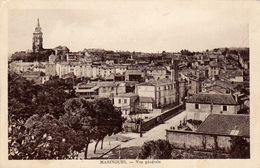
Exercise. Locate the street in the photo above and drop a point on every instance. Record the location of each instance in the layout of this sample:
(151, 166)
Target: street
(127, 140)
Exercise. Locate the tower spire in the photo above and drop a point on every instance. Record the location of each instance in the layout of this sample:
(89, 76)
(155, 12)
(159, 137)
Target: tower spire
(37, 38)
(38, 23)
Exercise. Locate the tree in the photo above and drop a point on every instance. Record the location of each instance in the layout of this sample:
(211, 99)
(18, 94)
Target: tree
(240, 148)
(43, 138)
(160, 149)
(80, 116)
(25, 98)
(51, 96)
(108, 120)
(187, 52)
(21, 93)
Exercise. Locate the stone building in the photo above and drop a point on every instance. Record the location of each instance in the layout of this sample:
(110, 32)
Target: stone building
(199, 106)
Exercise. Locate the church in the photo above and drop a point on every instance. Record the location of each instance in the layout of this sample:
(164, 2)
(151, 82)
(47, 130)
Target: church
(37, 38)
(37, 46)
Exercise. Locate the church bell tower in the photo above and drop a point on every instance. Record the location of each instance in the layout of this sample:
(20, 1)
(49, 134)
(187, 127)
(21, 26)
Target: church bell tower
(37, 38)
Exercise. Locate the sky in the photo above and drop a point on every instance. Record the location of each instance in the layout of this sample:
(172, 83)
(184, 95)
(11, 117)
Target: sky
(132, 26)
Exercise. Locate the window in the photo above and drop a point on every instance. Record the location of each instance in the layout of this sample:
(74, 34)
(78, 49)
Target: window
(125, 101)
(224, 108)
(196, 106)
(119, 101)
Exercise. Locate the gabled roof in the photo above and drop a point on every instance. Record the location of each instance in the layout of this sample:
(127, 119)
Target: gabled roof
(226, 125)
(221, 99)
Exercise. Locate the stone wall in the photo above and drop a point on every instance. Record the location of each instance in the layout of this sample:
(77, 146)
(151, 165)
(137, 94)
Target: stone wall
(198, 141)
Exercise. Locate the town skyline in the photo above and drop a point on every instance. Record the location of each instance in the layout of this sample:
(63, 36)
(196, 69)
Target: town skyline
(148, 29)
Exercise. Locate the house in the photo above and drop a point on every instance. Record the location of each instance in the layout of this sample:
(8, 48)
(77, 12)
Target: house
(35, 76)
(157, 72)
(158, 93)
(19, 66)
(216, 132)
(69, 78)
(51, 66)
(232, 75)
(60, 53)
(213, 68)
(62, 68)
(126, 102)
(134, 75)
(88, 90)
(103, 70)
(226, 125)
(106, 89)
(40, 67)
(120, 69)
(194, 85)
(199, 106)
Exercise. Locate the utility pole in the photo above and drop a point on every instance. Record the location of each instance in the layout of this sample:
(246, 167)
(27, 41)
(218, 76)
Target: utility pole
(140, 125)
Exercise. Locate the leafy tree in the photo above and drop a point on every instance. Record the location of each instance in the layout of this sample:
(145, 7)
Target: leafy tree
(43, 138)
(160, 149)
(187, 52)
(240, 148)
(80, 116)
(51, 96)
(108, 120)
(21, 94)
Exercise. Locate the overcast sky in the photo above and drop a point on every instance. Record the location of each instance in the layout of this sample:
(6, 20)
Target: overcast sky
(133, 26)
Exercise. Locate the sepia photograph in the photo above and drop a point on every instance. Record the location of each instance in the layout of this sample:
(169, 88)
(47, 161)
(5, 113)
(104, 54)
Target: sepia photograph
(129, 82)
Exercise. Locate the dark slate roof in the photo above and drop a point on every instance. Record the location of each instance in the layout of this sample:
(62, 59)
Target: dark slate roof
(226, 124)
(221, 99)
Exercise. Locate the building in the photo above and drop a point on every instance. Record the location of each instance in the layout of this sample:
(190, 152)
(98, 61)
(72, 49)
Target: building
(199, 106)
(126, 102)
(37, 38)
(120, 69)
(158, 93)
(87, 91)
(61, 52)
(33, 76)
(134, 75)
(226, 125)
(106, 89)
(62, 68)
(20, 67)
(213, 68)
(232, 75)
(50, 67)
(157, 72)
(194, 85)
(216, 132)
(103, 71)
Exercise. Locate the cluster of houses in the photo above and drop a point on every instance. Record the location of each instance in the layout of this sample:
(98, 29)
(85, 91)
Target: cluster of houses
(213, 85)
(218, 108)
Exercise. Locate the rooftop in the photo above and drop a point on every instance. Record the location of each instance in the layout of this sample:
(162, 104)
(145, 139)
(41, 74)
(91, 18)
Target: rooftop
(222, 99)
(126, 95)
(156, 82)
(226, 125)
